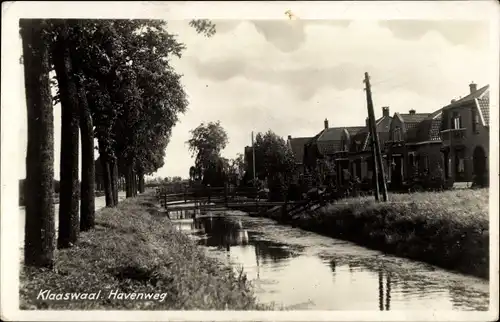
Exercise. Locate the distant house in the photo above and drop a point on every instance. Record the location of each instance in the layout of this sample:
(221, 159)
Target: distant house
(331, 144)
(465, 135)
(297, 147)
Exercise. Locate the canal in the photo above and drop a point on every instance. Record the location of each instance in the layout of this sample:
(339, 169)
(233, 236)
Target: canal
(301, 270)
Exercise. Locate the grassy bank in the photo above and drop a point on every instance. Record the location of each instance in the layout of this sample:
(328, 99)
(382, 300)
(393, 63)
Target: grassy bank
(133, 249)
(448, 229)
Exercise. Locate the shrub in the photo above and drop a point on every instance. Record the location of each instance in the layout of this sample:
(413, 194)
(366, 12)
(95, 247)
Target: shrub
(449, 229)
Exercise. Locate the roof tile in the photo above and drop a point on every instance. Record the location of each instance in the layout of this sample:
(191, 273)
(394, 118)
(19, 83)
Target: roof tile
(477, 94)
(484, 105)
(297, 145)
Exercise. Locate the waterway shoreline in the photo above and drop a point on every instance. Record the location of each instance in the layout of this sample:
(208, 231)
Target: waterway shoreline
(133, 249)
(448, 229)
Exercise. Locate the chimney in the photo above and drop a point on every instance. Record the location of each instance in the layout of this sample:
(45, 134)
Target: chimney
(326, 123)
(385, 111)
(412, 112)
(367, 122)
(289, 137)
(453, 101)
(473, 87)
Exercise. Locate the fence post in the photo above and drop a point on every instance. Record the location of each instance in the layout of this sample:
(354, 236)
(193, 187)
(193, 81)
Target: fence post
(185, 194)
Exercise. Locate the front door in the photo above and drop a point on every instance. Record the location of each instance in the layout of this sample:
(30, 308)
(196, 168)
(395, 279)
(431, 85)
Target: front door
(479, 166)
(397, 171)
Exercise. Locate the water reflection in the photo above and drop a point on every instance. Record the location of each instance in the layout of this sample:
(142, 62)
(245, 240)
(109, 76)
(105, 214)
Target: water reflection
(302, 270)
(224, 234)
(384, 295)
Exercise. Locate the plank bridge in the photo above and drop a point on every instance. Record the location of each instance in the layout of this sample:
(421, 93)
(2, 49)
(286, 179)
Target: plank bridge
(200, 201)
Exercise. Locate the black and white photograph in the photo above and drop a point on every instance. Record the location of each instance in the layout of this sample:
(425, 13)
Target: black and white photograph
(271, 161)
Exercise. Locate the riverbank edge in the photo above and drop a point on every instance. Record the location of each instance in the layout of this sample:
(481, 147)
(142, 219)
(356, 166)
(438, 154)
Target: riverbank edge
(414, 229)
(135, 249)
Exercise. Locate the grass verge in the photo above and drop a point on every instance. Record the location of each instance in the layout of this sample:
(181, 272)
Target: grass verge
(448, 229)
(135, 250)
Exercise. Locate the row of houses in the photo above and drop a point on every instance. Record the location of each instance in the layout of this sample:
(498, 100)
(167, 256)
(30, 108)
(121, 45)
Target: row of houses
(454, 137)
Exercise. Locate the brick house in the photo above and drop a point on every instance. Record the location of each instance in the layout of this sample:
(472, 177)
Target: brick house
(332, 146)
(414, 145)
(297, 147)
(360, 153)
(465, 135)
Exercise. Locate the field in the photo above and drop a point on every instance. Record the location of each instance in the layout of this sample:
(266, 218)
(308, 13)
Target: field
(448, 229)
(133, 249)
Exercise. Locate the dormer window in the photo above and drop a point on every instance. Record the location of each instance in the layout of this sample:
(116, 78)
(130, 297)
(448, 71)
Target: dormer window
(397, 135)
(343, 144)
(456, 121)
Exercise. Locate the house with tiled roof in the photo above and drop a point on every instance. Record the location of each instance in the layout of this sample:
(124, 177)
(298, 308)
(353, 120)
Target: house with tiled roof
(414, 145)
(465, 131)
(331, 144)
(297, 147)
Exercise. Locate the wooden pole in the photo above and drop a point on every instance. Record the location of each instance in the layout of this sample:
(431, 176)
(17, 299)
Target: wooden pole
(373, 153)
(381, 176)
(253, 159)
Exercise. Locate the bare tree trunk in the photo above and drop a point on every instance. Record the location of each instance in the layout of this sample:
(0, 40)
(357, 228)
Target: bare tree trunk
(87, 189)
(106, 175)
(114, 181)
(129, 182)
(141, 182)
(39, 240)
(68, 205)
(135, 184)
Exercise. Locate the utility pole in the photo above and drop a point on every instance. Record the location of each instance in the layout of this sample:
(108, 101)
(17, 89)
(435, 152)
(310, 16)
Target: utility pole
(253, 160)
(375, 175)
(375, 141)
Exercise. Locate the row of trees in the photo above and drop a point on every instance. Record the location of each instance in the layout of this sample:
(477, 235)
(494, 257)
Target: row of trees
(115, 84)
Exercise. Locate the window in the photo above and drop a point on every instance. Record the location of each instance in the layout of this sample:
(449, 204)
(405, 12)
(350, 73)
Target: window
(456, 121)
(475, 121)
(425, 162)
(460, 162)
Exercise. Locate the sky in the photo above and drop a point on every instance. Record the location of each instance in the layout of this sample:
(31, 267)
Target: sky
(289, 75)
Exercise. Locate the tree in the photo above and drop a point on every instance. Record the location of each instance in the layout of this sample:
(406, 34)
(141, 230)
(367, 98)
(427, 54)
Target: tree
(206, 143)
(235, 169)
(239, 165)
(79, 60)
(274, 160)
(39, 224)
(70, 114)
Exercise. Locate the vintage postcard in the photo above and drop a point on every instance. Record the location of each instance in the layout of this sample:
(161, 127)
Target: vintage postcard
(253, 161)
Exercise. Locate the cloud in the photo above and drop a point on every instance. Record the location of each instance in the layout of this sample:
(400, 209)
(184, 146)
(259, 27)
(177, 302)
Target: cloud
(301, 82)
(289, 35)
(337, 59)
(473, 34)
